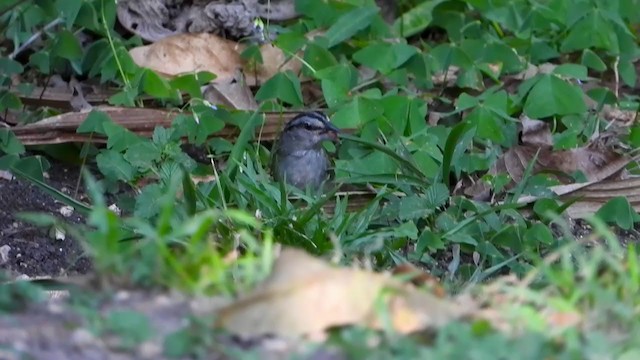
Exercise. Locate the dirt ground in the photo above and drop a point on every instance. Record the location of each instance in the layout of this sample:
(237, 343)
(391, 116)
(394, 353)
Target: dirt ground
(31, 250)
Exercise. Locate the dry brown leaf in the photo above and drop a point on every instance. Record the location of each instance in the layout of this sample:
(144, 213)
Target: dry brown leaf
(234, 94)
(190, 53)
(597, 161)
(306, 296)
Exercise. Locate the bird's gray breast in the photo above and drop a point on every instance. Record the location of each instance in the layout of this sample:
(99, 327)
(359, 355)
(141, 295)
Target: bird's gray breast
(306, 168)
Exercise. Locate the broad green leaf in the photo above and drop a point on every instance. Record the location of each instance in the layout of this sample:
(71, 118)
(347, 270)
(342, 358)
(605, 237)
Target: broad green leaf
(591, 31)
(553, 96)
(634, 136)
(282, 86)
(9, 143)
(628, 72)
(384, 57)
(572, 70)
(407, 229)
(9, 100)
(413, 207)
(68, 10)
(452, 143)
(10, 67)
(446, 55)
(119, 138)
(149, 201)
(113, 165)
(336, 81)
(350, 23)
(618, 211)
(436, 195)
(41, 60)
(428, 242)
(142, 154)
(32, 166)
(290, 42)
(488, 124)
(593, 61)
(318, 58)
(67, 46)
(94, 122)
(156, 86)
(602, 95)
(188, 83)
(466, 101)
(538, 234)
(416, 19)
(357, 112)
(88, 18)
(208, 122)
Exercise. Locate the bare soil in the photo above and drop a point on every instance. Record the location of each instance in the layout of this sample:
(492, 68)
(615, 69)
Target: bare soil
(31, 250)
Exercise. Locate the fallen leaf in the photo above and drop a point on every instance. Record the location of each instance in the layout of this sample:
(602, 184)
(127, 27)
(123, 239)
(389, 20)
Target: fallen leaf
(597, 160)
(305, 296)
(190, 53)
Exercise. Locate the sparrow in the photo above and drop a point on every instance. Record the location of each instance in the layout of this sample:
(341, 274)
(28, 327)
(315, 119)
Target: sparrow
(298, 157)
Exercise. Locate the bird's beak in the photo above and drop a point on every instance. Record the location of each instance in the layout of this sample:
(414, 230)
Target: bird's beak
(332, 132)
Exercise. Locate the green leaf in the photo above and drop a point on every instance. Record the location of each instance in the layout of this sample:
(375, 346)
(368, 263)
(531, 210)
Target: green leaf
(10, 67)
(429, 241)
(142, 155)
(67, 46)
(9, 100)
(384, 57)
(618, 211)
(41, 60)
(572, 70)
(318, 58)
(628, 72)
(290, 42)
(488, 124)
(407, 229)
(436, 195)
(188, 84)
(156, 86)
(416, 19)
(336, 81)
(553, 96)
(114, 166)
(9, 143)
(450, 147)
(413, 207)
(205, 121)
(94, 122)
(357, 112)
(602, 95)
(69, 11)
(538, 234)
(593, 61)
(149, 201)
(119, 138)
(33, 166)
(591, 31)
(634, 136)
(350, 23)
(282, 86)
